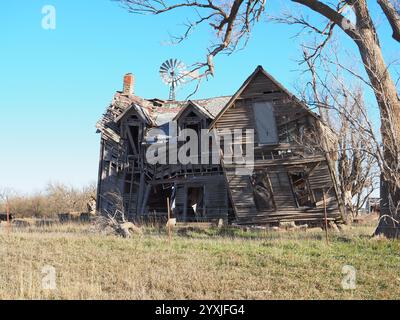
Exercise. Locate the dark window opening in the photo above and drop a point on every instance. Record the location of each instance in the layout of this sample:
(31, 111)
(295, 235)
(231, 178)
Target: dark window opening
(197, 128)
(157, 201)
(127, 187)
(301, 190)
(262, 193)
(134, 137)
(318, 195)
(194, 126)
(106, 168)
(288, 132)
(192, 114)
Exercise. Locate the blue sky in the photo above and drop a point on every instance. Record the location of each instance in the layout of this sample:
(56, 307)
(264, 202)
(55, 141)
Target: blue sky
(55, 84)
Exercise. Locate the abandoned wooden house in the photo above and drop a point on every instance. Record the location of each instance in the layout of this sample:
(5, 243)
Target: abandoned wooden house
(291, 177)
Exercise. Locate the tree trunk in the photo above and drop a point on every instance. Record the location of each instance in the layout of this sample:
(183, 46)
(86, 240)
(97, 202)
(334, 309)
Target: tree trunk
(389, 221)
(389, 106)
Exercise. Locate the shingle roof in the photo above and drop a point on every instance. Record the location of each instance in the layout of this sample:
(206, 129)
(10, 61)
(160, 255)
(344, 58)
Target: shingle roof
(213, 105)
(159, 112)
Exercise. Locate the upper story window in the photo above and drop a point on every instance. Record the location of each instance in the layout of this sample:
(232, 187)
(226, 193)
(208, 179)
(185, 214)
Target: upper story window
(265, 123)
(192, 121)
(132, 132)
(288, 132)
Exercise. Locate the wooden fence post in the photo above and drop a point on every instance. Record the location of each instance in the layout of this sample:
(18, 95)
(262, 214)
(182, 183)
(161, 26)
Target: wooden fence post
(8, 217)
(169, 218)
(326, 217)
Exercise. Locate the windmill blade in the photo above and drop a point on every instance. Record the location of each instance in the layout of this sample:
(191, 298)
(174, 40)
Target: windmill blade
(168, 64)
(173, 73)
(166, 80)
(164, 67)
(165, 64)
(163, 71)
(165, 76)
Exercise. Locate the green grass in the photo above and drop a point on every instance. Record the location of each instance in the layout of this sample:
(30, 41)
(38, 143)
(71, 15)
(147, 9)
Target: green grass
(197, 264)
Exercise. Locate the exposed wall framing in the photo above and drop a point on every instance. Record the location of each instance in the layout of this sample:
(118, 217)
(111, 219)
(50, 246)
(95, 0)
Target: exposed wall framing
(292, 159)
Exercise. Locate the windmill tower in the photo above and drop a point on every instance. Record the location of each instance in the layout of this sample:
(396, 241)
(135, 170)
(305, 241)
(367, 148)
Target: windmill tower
(173, 73)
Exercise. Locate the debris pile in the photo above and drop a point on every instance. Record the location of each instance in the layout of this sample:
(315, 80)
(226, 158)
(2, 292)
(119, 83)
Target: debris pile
(115, 225)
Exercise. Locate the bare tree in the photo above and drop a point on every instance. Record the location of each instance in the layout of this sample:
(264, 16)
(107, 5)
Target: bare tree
(232, 22)
(356, 160)
(57, 198)
(391, 11)
(6, 195)
(342, 108)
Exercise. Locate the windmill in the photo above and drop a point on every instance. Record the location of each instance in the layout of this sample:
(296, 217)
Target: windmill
(173, 73)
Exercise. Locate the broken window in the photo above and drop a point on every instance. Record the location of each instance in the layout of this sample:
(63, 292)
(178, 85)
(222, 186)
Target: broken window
(288, 132)
(319, 194)
(113, 169)
(132, 133)
(106, 169)
(262, 193)
(301, 190)
(193, 122)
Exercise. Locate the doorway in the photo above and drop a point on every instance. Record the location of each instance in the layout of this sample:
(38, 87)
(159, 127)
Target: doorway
(194, 203)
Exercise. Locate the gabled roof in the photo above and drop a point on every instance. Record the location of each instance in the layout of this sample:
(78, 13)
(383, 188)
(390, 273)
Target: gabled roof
(139, 110)
(245, 84)
(158, 112)
(191, 104)
(213, 105)
(155, 112)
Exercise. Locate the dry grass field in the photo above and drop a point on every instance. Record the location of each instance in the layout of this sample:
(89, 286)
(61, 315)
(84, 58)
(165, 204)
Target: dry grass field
(197, 264)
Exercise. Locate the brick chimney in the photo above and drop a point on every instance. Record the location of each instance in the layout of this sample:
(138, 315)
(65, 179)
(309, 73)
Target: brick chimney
(129, 82)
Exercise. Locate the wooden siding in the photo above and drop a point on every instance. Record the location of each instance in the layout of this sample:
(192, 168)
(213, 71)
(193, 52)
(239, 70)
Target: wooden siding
(305, 153)
(298, 149)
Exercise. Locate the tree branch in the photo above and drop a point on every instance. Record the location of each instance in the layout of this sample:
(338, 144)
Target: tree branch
(335, 16)
(393, 17)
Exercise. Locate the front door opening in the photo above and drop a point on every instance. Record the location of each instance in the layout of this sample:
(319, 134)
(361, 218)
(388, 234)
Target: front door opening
(195, 203)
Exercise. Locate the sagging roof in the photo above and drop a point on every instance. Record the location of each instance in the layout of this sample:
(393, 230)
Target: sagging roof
(257, 71)
(158, 113)
(170, 110)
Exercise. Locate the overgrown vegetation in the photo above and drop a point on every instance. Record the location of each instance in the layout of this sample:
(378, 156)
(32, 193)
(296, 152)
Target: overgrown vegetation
(196, 264)
(56, 198)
